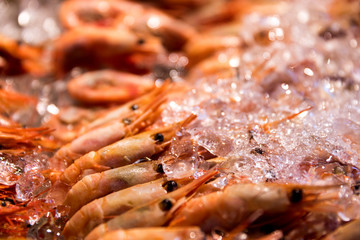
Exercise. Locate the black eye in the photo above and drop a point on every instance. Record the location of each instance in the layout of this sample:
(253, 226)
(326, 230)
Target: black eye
(141, 41)
(219, 232)
(159, 137)
(126, 121)
(296, 195)
(257, 150)
(134, 107)
(3, 203)
(170, 186)
(166, 205)
(356, 188)
(159, 168)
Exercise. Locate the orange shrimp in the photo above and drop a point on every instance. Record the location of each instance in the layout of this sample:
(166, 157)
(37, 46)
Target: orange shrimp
(93, 48)
(108, 86)
(132, 15)
(122, 152)
(111, 132)
(99, 210)
(159, 211)
(226, 209)
(87, 189)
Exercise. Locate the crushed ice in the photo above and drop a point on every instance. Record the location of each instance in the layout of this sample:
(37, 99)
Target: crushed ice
(303, 102)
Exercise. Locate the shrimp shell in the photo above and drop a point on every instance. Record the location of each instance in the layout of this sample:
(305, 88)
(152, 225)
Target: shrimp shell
(160, 233)
(100, 184)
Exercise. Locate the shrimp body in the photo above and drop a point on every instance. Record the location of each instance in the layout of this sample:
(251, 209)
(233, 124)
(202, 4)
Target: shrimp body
(91, 47)
(139, 105)
(100, 184)
(96, 212)
(108, 86)
(110, 132)
(159, 211)
(131, 15)
(226, 209)
(120, 153)
(159, 233)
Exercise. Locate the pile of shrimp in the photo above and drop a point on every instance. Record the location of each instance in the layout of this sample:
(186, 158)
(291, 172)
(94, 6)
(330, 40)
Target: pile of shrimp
(184, 119)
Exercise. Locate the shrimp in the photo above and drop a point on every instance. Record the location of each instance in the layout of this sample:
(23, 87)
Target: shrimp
(159, 211)
(93, 48)
(350, 231)
(121, 153)
(11, 101)
(134, 16)
(226, 209)
(100, 184)
(18, 58)
(160, 233)
(108, 86)
(70, 120)
(128, 109)
(13, 137)
(96, 212)
(110, 132)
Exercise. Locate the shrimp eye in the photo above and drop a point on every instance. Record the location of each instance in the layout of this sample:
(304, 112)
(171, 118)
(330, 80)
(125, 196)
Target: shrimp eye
(3, 203)
(126, 121)
(257, 150)
(141, 41)
(159, 168)
(134, 107)
(219, 232)
(356, 188)
(170, 186)
(166, 205)
(296, 195)
(159, 137)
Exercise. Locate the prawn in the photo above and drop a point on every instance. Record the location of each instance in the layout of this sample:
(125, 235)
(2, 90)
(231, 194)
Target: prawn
(110, 132)
(160, 233)
(14, 137)
(159, 211)
(134, 16)
(93, 48)
(226, 209)
(137, 106)
(108, 86)
(17, 58)
(122, 152)
(100, 184)
(96, 212)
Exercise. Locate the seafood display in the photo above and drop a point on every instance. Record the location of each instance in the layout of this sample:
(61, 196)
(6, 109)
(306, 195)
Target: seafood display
(180, 119)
